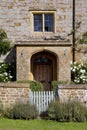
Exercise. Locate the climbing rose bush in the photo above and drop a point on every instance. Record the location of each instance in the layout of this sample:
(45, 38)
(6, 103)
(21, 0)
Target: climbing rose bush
(5, 73)
(79, 73)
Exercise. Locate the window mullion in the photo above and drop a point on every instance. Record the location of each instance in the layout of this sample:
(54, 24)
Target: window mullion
(43, 21)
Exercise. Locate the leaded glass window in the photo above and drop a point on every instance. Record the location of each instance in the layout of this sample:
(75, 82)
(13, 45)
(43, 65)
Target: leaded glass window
(48, 22)
(44, 22)
(38, 22)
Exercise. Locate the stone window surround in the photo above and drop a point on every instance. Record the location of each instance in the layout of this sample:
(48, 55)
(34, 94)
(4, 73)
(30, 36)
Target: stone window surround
(32, 23)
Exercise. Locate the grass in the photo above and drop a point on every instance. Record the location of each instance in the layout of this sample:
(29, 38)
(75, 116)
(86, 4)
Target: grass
(9, 124)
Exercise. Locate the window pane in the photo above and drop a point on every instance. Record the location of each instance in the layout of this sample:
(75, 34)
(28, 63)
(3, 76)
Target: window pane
(48, 23)
(38, 22)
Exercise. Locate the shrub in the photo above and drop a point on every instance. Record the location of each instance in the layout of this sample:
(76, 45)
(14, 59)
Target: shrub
(5, 73)
(22, 111)
(36, 86)
(79, 73)
(78, 112)
(5, 45)
(57, 111)
(54, 85)
(70, 111)
(1, 109)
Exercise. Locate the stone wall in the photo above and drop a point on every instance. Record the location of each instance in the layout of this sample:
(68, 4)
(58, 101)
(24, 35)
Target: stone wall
(16, 20)
(73, 92)
(62, 53)
(10, 93)
(81, 53)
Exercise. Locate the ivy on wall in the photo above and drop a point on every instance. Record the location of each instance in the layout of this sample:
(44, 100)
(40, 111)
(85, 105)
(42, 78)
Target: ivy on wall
(5, 43)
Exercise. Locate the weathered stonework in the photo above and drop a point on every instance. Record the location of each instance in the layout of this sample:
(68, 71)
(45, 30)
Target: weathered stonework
(24, 59)
(17, 20)
(73, 93)
(81, 53)
(11, 93)
(15, 16)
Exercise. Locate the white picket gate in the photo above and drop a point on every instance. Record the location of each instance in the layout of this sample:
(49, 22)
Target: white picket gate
(41, 99)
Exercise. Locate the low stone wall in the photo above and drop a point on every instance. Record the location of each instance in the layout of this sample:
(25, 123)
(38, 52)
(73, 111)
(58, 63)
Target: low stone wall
(73, 92)
(11, 93)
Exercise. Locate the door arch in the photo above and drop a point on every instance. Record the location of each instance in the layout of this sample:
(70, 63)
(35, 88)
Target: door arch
(44, 68)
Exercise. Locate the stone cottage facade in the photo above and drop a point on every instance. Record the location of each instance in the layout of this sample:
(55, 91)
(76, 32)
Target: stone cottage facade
(40, 31)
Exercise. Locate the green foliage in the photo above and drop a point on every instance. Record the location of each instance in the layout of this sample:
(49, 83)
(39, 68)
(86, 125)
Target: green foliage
(5, 45)
(22, 111)
(54, 85)
(5, 73)
(78, 112)
(82, 39)
(79, 73)
(1, 109)
(57, 111)
(34, 85)
(69, 111)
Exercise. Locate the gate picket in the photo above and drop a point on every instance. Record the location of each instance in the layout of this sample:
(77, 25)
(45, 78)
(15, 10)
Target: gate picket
(41, 99)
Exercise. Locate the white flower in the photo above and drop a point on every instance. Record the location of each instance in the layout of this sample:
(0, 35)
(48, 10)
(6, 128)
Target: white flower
(73, 70)
(81, 64)
(6, 77)
(2, 65)
(75, 67)
(82, 77)
(10, 76)
(82, 71)
(4, 80)
(5, 73)
(76, 80)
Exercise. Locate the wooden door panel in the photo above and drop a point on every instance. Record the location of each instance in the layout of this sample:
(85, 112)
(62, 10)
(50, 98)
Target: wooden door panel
(43, 73)
(44, 68)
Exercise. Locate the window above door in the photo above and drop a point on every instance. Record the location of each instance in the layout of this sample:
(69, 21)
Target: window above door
(43, 21)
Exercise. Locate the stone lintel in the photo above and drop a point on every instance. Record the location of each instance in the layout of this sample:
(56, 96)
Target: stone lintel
(43, 43)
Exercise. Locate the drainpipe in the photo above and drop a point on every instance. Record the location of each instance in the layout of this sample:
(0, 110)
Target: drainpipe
(73, 35)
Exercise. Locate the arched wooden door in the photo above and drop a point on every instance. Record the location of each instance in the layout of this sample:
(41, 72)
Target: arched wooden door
(43, 66)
